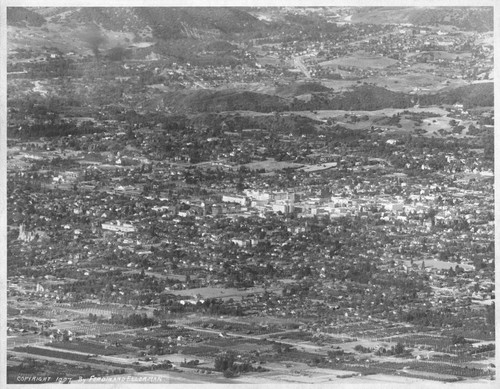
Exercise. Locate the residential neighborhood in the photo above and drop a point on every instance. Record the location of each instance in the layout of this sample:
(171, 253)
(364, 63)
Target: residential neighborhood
(257, 196)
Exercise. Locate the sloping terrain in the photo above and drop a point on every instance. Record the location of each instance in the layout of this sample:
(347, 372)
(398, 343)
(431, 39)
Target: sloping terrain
(67, 27)
(474, 95)
(23, 17)
(364, 98)
(220, 46)
(297, 89)
(166, 22)
(474, 19)
(172, 23)
(232, 100)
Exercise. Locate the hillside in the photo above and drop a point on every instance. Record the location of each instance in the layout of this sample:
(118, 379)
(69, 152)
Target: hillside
(473, 19)
(364, 98)
(109, 18)
(164, 22)
(297, 89)
(221, 46)
(475, 95)
(23, 17)
(232, 100)
(236, 122)
(172, 23)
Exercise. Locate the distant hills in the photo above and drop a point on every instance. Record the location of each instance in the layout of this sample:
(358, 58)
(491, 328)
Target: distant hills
(220, 46)
(215, 28)
(297, 89)
(227, 100)
(466, 18)
(181, 33)
(474, 95)
(364, 97)
(164, 22)
(23, 17)
(187, 22)
(173, 22)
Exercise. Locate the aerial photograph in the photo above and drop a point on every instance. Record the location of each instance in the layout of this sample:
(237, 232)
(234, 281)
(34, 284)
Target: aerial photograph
(250, 195)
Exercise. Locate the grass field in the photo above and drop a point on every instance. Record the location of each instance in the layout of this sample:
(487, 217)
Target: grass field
(339, 85)
(433, 125)
(325, 114)
(361, 61)
(436, 264)
(271, 165)
(58, 35)
(268, 60)
(223, 293)
(407, 82)
(443, 55)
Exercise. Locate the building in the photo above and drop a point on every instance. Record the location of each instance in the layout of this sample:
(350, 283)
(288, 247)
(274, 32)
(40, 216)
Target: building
(242, 200)
(283, 208)
(284, 196)
(118, 227)
(394, 207)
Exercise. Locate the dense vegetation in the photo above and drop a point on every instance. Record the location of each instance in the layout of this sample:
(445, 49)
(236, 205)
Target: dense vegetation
(19, 16)
(363, 97)
(475, 95)
(172, 23)
(465, 18)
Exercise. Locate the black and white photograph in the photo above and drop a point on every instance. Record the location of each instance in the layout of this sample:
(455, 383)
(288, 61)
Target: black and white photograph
(249, 194)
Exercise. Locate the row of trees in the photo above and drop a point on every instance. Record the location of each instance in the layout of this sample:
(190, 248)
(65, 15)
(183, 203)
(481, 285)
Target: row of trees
(229, 364)
(133, 320)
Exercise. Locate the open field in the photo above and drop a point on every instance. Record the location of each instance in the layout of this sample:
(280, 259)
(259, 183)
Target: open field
(319, 167)
(339, 85)
(268, 60)
(325, 114)
(258, 87)
(271, 165)
(294, 368)
(438, 54)
(438, 264)
(64, 38)
(379, 379)
(222, 293)
(408, 81)
(433, 125)
(361, 61)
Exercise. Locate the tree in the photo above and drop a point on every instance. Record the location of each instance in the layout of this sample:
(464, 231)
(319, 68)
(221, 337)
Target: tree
(456, 339)
(229, 373)
(224, 362)
(94, 38)
(399, 349)
(117, 53)
(240, 186)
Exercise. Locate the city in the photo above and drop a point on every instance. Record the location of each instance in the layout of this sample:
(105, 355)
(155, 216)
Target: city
(250, 195)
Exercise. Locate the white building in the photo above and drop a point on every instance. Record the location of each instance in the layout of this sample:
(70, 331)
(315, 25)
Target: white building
(242, 200)
(118, 227)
